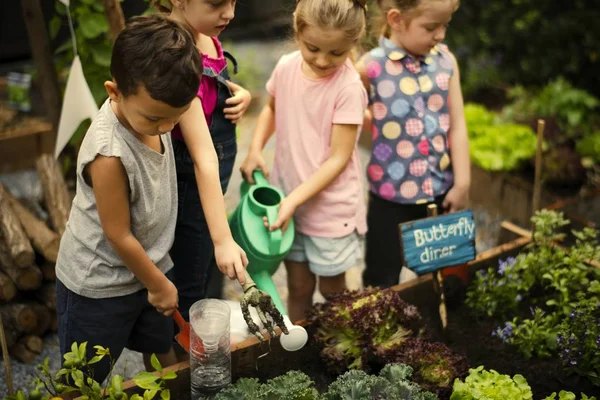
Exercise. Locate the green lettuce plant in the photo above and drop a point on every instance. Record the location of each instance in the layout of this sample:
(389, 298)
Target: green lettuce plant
(482, 384)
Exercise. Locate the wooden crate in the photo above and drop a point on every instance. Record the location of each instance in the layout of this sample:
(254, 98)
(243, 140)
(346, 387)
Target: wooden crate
(509, 194)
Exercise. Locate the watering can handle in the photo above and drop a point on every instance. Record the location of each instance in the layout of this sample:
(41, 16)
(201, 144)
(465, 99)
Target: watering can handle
(259, 178)
(275, 236)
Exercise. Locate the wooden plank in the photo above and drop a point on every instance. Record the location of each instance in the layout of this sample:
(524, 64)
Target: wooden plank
(509, 226)
(41, 49)
(25, 126)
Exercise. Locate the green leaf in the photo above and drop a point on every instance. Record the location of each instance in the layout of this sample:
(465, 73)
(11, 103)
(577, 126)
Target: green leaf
(169, 376)
(150, 394)
(166, 394)
(95, 359)
(116, 383)
(155, 363)
(146, 380)
(64, 47)
(102, 55)
(135, 397)
(60, 8)
(54, 26)
(93, 25)
(98, 6)
(82, 350)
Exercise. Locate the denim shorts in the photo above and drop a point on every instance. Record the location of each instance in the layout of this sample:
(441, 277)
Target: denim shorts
(327, 256)
(116, 323)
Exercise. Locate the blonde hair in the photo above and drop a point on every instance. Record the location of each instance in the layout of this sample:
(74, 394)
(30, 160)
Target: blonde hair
(346, 15)
(407, 7)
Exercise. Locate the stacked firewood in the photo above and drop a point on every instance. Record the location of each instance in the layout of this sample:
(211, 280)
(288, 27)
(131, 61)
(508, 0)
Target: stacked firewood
(28, 250)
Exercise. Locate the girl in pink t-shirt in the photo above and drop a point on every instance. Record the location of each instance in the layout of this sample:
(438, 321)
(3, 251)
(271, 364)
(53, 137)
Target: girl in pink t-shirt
(316, 108)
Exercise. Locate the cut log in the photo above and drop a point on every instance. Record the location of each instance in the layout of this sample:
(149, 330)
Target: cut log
(8, 290)
(43, 239)
(56, 194)
(17, 241)
(25, 279)
(47, 295)
(48, 271)
(44, 318)
(27, 349)
(11, 335)
(5, 257)
(19, 317)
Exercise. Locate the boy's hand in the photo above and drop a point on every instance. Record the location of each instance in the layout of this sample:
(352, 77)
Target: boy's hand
(456, 199)
(231, 260)
(287, 208)
(164, 298)
(239, 102)
(253, 161)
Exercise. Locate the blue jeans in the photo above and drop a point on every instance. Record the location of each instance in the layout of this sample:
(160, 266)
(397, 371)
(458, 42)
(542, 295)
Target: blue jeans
(115, 322)
(193, 250)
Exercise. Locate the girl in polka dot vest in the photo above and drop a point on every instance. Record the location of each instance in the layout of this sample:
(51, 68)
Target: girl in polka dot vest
(420, 149)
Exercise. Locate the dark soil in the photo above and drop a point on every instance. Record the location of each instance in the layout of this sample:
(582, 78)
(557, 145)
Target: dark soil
(473, 338)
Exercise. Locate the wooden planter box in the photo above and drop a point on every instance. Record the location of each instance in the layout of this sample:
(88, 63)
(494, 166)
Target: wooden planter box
(251, 356)
(508, 193)
(583, 210)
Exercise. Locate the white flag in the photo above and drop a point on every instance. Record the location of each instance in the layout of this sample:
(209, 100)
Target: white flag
(78, 105)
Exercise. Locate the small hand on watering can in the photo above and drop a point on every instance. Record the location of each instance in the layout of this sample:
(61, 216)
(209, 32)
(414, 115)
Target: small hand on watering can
(264, 305)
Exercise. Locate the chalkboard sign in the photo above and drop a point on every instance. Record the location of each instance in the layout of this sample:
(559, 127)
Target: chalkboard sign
(433, 243)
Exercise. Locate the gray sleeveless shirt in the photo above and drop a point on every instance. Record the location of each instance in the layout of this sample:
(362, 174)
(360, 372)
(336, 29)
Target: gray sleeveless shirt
(86, 264)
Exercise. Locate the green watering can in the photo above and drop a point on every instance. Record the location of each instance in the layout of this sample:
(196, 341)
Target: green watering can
(265, 249)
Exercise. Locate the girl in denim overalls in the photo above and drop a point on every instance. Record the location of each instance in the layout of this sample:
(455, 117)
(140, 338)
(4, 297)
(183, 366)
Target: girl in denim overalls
(420, 151)
(197, 250)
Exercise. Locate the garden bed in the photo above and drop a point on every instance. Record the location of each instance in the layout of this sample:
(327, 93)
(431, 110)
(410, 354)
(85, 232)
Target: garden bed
(472, 337)
(253, 359)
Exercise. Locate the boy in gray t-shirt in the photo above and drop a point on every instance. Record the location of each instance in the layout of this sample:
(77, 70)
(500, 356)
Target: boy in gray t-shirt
(112, 289)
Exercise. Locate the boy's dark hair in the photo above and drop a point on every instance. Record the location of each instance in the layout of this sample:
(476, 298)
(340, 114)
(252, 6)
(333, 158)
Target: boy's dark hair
(159, 54)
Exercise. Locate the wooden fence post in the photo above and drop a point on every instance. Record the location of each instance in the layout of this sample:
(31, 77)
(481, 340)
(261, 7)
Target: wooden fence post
(42, 56)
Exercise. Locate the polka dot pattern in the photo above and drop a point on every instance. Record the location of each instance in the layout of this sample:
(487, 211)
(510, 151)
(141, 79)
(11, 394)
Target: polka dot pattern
(373, 69)
(410, 160)
(386, 89)
(375, 172)
(379, 111)
(408, 86)
(391, 130)
(409, 189)
(393, 67)
(405, 149)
